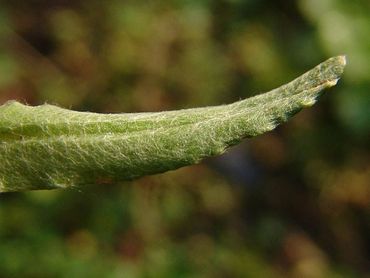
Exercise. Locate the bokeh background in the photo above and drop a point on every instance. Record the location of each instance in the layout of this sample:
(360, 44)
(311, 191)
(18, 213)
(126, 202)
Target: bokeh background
(292, 203)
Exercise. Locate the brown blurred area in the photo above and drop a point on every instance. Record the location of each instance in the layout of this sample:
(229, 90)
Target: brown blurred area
(292, 203)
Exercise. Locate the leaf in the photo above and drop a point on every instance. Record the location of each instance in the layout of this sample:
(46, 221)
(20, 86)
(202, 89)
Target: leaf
(47, 147)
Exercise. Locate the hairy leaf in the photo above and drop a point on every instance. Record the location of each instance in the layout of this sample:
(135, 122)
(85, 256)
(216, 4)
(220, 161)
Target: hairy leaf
(47, 147)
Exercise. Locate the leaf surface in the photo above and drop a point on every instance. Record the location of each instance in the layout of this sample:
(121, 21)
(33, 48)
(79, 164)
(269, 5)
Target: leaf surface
(47, 147)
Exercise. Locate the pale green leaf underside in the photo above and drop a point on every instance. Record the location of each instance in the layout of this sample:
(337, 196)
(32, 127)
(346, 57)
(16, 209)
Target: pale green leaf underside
(46, 147)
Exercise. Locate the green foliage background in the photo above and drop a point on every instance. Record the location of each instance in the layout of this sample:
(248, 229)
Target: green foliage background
(294, 202)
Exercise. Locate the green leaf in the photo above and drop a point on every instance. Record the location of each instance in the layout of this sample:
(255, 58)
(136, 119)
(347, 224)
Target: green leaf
(47, 147)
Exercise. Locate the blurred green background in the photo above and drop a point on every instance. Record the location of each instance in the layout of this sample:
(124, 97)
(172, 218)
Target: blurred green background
(292, 203)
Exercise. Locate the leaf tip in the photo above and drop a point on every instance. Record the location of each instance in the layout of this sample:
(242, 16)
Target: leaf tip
(342, 59)
(338, 64)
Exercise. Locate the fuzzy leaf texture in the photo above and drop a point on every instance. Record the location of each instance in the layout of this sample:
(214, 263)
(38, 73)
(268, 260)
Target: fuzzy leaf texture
(48, 147)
